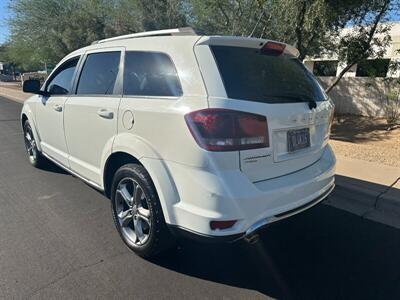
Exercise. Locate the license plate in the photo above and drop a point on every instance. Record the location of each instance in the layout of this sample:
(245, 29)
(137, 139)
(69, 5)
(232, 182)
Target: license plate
(298, 139)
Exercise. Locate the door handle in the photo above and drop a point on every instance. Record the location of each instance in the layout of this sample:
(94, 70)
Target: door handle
(106, 114)
(57, 107)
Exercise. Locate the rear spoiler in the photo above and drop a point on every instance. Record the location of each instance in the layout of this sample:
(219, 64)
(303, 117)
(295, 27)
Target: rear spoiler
(237, 41)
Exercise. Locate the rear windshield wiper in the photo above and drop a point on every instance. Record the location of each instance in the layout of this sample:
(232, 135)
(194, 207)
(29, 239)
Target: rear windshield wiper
(293, 98)
(296, 98)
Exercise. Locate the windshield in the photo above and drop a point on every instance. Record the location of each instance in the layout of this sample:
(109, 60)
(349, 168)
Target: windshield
(251, 75)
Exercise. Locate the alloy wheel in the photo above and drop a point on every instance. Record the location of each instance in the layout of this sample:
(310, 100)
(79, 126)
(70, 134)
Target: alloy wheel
(132, 209)
(30, 144)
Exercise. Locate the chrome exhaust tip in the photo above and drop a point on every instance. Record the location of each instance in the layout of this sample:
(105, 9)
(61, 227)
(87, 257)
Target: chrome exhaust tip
(252, 238)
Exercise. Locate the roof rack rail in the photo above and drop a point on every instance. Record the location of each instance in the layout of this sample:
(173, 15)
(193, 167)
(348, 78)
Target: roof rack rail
(164, 32)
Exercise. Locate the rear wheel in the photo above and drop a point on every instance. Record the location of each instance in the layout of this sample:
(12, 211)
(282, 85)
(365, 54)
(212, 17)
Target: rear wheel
(137, 211)
(35, 157)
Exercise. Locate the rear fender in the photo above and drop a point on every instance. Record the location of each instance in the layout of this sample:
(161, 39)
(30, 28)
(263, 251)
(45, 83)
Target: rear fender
(150, 159)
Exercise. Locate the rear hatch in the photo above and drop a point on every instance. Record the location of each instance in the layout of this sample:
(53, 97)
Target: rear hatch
(275, 84)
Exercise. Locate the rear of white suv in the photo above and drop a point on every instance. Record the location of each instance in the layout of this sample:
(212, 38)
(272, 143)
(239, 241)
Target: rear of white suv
(265, 135)
(211, 137)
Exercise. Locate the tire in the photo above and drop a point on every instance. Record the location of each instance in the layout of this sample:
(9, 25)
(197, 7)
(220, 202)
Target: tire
(137, 212)
(35, 158)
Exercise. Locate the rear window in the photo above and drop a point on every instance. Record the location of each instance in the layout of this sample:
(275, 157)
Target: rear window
(251, 75)
(150, 74)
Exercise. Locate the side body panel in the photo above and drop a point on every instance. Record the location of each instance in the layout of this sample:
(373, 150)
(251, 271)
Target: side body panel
(29, 110)
(90, 123)
(88, 135)
(50, 123)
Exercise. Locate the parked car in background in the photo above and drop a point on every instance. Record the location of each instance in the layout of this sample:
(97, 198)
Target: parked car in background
(211, 137)
(40, 75)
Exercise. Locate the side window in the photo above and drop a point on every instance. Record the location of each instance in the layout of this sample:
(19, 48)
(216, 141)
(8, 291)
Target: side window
(99, 74)
(150, 74)
(61, 83)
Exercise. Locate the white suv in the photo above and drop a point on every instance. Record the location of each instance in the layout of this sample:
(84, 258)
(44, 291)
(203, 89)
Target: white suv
(212, 137)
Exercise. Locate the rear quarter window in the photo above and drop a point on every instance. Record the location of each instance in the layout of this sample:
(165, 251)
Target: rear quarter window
(150, 74)
(249, 74)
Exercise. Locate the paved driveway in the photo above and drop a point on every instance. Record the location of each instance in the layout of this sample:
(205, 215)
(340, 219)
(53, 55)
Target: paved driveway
(57, 240)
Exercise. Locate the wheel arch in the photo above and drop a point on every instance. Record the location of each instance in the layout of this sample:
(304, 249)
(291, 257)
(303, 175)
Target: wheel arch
(24, 118)
(27, 115)
(159, 174)
(113, 163)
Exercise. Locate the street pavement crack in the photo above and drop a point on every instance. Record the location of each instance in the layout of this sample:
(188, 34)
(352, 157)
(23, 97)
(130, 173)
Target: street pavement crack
(74, 270)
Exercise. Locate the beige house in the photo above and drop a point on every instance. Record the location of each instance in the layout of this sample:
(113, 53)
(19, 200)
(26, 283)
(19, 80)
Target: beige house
(363, 88)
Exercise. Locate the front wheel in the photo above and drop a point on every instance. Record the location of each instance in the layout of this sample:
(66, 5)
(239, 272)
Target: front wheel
(137, 211)
(35, 157)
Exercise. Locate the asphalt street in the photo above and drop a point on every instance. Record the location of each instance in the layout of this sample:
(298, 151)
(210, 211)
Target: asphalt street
(57, 240)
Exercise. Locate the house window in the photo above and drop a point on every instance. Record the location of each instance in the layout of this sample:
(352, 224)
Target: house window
(325, 68)
(373, 68)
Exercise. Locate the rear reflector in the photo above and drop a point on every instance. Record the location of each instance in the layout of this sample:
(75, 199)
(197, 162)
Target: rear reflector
(214, 225)
(273, 48)
(217, 129)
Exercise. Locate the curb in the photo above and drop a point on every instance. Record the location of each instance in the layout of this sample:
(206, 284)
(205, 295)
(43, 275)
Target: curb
(12, 98)
(357, 194)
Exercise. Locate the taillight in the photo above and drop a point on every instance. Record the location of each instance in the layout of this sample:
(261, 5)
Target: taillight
(273, 48)
(228, 130)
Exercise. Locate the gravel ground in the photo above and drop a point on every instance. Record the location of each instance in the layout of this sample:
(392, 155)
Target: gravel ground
(366, 139)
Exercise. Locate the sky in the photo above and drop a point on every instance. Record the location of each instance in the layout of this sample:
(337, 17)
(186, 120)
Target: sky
(5, 14)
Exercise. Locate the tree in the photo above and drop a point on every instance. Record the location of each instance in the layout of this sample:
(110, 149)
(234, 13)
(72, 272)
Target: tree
(44, 31)
(368, 38)
(303, 23)
(161, 14)
(229, 17)
(310, 25)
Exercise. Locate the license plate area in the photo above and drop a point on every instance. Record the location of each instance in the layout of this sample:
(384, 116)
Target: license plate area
(298, 139)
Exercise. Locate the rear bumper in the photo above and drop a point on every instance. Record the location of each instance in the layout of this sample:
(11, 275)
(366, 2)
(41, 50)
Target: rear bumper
(180, 232)
(205, 197)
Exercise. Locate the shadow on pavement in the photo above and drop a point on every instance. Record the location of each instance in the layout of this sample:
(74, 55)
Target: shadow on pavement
(357, 129)
(324, 253)
(51, 167)
(367, 188)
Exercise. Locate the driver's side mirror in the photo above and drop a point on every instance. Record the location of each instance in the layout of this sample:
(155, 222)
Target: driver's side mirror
(31, 86)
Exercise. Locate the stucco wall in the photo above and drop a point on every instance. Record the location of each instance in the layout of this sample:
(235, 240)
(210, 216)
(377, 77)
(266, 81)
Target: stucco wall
(359, 95)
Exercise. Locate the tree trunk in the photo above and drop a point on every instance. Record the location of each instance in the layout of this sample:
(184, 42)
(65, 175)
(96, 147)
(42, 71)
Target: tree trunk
(299, 29)
(371, 34)
(337, 79)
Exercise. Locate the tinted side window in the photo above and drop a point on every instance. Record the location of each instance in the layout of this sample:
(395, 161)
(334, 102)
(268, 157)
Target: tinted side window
(150, 74)
(61, 83)
(99, 74)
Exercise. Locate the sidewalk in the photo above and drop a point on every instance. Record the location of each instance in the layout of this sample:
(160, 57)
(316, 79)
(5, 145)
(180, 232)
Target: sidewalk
(358, 185)
(367, 171)
(13, 92)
